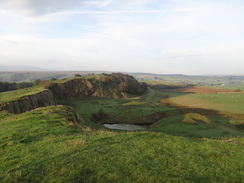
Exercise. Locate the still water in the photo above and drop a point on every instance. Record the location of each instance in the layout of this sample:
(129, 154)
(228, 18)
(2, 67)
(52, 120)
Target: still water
(125, 127)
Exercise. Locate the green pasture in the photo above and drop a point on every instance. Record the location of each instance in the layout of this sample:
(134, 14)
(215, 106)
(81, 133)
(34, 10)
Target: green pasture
(217, 127)
(223, 102)
(232, 102)
(40, 146)
(232, 86)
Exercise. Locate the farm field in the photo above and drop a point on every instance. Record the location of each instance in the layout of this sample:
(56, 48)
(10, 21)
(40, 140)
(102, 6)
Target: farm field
(232, 86)
(223, 102)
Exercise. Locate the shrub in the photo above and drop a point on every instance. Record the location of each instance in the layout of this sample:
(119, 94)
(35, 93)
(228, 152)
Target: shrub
(77, 76)
(52, 79)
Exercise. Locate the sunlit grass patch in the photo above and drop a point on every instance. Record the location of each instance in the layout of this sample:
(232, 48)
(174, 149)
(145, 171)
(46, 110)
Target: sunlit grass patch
(222, 102)
(194, 118)
(236, 122)
(134, 103)
(17, 94)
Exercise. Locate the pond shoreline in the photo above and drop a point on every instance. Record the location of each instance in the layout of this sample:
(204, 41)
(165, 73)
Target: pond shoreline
(127, 127)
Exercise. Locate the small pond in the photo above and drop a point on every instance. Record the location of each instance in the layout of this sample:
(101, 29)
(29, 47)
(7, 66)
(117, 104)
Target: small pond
(125, 127)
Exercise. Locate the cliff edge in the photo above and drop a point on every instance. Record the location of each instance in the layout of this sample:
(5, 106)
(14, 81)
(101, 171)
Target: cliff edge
(29, 102)
(113, 85)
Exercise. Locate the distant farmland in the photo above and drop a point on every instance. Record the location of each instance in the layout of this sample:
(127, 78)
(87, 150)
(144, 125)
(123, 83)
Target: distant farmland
(229, 102)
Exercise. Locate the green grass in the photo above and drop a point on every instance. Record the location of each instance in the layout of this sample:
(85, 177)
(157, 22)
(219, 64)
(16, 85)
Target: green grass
(232, 102)
(175, 125)
(17, 94)
(96, 76)
(39, 146)
(233, 86)
(64, 80)
(193, 118)
(223, 102)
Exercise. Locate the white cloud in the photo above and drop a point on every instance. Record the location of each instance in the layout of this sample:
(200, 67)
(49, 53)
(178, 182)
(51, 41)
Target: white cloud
(37, 7)
(166, 37)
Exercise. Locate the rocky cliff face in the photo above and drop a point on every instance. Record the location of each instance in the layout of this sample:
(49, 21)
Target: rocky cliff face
(73, 88)
(5, 86)
(106, 85)
(26, 103)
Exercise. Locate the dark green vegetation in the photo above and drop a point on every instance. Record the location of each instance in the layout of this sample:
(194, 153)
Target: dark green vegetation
(182, 144)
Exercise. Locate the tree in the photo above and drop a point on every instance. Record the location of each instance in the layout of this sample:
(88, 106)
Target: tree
(53, 79)
(78, 76)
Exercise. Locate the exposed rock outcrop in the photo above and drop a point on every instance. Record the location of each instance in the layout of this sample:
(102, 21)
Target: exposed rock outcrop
(71, 117)
(106, 85)
(73, 88)
(29, 102)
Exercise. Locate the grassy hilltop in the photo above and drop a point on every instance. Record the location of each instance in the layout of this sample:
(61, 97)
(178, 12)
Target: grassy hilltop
(183, 142)
(17, 94)
(41, 146)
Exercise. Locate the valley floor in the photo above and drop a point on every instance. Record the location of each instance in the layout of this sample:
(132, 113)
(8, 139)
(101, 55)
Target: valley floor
(153, 108)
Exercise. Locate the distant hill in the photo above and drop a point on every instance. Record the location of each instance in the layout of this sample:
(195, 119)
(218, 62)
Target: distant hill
(228, 81)
(20, 76)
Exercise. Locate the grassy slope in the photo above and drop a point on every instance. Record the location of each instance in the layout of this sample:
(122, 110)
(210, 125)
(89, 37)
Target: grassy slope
(39, 146)
(17, 94)
(219, 127)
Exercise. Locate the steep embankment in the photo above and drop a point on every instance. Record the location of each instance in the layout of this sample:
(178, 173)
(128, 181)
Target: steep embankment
(106, 85)
(29, 102)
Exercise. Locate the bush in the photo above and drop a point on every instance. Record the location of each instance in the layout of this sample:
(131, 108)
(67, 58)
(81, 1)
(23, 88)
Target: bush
(77, 76)
(52, 79)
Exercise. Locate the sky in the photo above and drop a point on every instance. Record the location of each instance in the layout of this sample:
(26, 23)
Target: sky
(191, 37)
